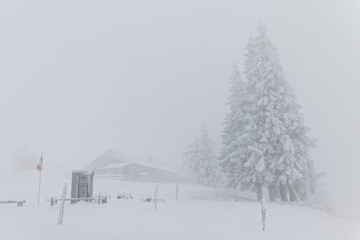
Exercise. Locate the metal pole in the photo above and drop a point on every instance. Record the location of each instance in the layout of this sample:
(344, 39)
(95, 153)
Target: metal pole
(263, 213)
(41, 162)
(177, 191)
(155, 195)
(61, 215)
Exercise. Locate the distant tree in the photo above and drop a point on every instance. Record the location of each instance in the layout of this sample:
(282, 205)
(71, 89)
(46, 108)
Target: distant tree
(231, 155)
(200, 158)
(22, 161)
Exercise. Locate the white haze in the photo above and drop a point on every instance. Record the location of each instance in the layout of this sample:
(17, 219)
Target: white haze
(80, 77)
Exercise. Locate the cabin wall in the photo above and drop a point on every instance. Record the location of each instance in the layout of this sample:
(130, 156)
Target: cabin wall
(137, 172)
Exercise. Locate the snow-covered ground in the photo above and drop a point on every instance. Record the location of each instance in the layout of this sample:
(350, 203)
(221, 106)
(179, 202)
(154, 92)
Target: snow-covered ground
(200, 213)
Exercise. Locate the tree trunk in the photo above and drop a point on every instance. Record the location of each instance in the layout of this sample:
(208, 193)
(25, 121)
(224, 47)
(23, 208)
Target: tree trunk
(271, 190)
(276, 192)
(301, 193)
(259, 193)
(292, 193)
(283, 192)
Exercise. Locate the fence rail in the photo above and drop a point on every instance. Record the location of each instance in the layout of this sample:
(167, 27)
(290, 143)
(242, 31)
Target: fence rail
(19, 203)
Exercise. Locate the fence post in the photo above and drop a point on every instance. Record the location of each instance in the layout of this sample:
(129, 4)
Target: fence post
(263, 213)
(52, 201)
(155, 195)
(62, 205)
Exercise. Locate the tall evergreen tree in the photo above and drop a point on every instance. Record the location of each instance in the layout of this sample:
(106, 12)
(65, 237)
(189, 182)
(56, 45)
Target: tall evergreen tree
(279, 146)
(200, 158)
(272, 146)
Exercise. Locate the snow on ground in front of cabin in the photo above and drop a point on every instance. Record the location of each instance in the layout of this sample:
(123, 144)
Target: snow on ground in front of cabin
(200, 213)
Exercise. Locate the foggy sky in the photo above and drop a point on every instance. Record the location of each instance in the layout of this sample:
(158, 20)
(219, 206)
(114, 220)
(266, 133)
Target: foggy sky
(80, 77)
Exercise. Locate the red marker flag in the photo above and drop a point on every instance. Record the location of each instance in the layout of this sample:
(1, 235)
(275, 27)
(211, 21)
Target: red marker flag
(39, 166)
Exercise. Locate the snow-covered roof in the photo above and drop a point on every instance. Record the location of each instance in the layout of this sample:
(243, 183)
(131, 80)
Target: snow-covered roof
(83, 172)
(112, 159)
(116, 165)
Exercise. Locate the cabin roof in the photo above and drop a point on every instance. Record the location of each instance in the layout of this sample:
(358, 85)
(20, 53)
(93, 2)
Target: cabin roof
(111, 159)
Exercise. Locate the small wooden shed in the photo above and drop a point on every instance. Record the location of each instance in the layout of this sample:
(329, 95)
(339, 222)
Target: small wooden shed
(82, 185)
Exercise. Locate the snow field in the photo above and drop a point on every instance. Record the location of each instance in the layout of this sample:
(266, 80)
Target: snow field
(200, 213)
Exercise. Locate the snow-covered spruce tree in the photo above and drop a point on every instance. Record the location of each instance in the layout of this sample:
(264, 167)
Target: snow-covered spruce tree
(231, 157)
(264, 140)
(202, 161)
(278, 149)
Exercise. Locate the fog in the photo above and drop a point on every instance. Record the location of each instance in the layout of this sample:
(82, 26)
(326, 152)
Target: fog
(139, 77)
